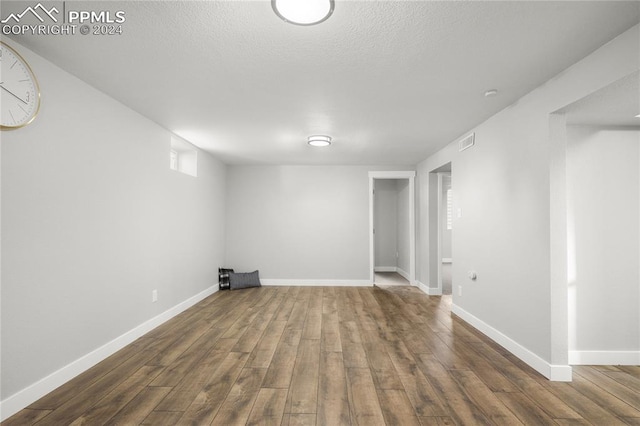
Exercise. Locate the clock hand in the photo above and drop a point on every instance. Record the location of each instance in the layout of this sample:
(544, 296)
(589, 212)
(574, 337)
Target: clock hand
(14, 95)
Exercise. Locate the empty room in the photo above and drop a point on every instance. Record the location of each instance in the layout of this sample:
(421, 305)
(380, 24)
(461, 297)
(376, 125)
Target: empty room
(320, 212)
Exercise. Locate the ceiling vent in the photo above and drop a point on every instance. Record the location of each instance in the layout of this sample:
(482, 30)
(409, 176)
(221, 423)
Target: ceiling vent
(467, 142)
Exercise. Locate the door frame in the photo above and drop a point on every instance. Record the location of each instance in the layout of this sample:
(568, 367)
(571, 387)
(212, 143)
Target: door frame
(406, 174)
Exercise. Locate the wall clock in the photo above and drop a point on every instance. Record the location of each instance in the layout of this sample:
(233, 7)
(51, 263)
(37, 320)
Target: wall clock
(19, 91)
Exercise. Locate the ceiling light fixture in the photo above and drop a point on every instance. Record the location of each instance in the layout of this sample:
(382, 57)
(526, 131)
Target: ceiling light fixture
(490, 93)
(319, 140)
(638, 116)
(303, 12)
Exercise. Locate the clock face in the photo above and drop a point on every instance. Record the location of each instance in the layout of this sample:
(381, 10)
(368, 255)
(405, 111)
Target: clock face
(19, 92)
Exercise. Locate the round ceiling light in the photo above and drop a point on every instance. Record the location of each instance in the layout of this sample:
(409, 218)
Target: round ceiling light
(490, 93)
(303, 12)
(319, 140)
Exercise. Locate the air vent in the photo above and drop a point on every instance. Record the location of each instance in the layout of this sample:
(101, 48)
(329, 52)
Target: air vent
(467, 142)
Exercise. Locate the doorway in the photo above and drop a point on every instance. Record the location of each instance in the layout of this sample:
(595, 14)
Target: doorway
(441, 208)
(391, 232)
(401, 255)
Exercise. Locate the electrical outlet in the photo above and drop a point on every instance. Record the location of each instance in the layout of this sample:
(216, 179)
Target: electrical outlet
(459, 290)
(154, 295)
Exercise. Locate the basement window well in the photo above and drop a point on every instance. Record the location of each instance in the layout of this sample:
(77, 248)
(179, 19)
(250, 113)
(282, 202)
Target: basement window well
(183, 157)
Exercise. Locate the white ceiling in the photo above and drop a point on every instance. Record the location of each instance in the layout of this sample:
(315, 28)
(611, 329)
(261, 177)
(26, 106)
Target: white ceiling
(391, 82)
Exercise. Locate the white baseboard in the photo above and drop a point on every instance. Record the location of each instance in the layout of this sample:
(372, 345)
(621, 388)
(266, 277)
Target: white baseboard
(556, 373)
(316, 283)
(428, 290)
(385, 269)
(404, 274)
(604, 357)
(25, 397)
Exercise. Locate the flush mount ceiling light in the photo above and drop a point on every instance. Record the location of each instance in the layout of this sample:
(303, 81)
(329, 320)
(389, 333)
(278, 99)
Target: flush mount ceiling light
(490, 93)
(303, 12)
(638, 116)
(319, 140)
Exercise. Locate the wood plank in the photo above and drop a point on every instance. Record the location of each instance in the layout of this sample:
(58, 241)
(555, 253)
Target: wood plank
(252, 335)
(353, 352)
(236, 407)
(176, 371)
(283, 361)
(484, 399)
(265, 349)
(301, 419)
(525, 409)
(333, 399)
(596, 393)
(396, 408)
(461, 409)
(208, 401)
(140, 407)
(588, 409)
(119, 397)
(439, 421)
(365, 407)
(268, 408)
(183, 394)
(313, 323)
(384, 373)
(303, 394)
(610, 385)
(28, 416)
(162, 418)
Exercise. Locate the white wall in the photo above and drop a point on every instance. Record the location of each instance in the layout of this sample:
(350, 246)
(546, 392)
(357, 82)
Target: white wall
(604, 238)
(92, 221)
(503, 188)
(386, 223)
(302, 223)
(403, 227)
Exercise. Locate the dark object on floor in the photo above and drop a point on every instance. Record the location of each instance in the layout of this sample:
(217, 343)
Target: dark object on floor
(223, 278)
(244, 280)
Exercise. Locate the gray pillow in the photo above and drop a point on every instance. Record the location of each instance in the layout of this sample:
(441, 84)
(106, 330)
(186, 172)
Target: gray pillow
(244, 280)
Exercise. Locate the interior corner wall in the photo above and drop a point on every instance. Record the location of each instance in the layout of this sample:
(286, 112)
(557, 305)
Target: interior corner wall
(502, 188)
(386, 223)
(603, 181)
(300, 224)
(93, 220)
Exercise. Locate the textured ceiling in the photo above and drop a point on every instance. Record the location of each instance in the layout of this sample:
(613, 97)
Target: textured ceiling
(391, 82)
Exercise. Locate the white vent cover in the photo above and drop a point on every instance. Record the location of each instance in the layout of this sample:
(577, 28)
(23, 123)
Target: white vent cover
(467, 142)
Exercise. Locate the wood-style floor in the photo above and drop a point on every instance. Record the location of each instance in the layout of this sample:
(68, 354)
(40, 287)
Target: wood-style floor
(329, 356)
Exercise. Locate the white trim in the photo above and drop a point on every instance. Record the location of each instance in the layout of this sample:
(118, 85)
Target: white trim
(447, 260)
(316, 283)
(405, 174)
(604, 357)
(557, 373)
(385, 269)
(428, 290)
(439, 221)
(403, 274)
(30, 394)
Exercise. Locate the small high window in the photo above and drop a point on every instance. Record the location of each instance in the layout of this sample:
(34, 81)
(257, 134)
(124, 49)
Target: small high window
(173, 159)
(183, 157)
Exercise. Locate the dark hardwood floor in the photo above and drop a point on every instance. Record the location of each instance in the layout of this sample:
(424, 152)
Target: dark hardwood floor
(329, 356)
